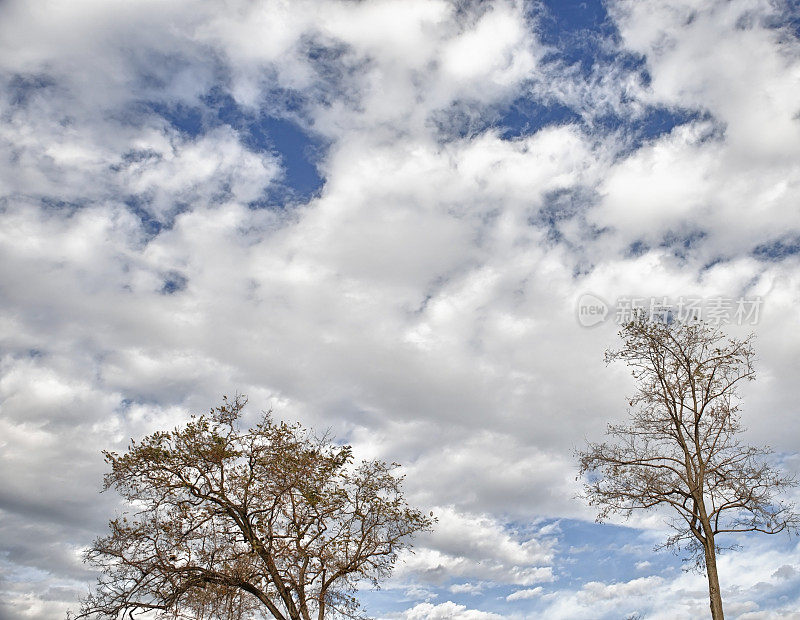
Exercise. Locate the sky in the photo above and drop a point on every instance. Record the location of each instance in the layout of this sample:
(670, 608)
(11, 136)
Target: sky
(386, 219)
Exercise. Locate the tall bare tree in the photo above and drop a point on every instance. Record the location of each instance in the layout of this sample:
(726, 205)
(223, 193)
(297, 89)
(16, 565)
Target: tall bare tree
(269, 522)
(682, 447)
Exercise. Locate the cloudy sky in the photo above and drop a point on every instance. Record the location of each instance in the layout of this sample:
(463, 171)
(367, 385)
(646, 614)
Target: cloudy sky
(379, 217)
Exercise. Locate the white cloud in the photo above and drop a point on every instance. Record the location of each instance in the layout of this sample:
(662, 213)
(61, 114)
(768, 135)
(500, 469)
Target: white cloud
(422, 305)
(738, 186)
(445, 611)
(746, 576)
(494, 50)
(467, 546)
(595, 591)
(467, 588)
(528, 593)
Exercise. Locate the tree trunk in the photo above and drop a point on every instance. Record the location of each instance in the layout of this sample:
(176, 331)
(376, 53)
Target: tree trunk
(714, 593)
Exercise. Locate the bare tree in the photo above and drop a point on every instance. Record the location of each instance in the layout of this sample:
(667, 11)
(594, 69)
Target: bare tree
(269, 522)
(682, 446)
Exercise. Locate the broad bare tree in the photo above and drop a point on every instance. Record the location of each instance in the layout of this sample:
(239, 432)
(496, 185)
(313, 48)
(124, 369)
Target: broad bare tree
(682, 447)
(269, 522)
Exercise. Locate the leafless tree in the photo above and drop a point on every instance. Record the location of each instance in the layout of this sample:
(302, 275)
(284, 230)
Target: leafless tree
(682, 446)
(269, 522)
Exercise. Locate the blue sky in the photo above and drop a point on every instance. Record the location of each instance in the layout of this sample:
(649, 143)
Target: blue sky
(377, 218)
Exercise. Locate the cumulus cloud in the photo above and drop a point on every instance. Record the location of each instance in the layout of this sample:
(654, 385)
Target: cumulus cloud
(420, 301)
(751, 587)
(466, 546)
(521, 595)
(428, 611)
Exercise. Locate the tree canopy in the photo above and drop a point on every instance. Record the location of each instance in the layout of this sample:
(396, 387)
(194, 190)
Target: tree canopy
(683, 446)
(273, 521)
